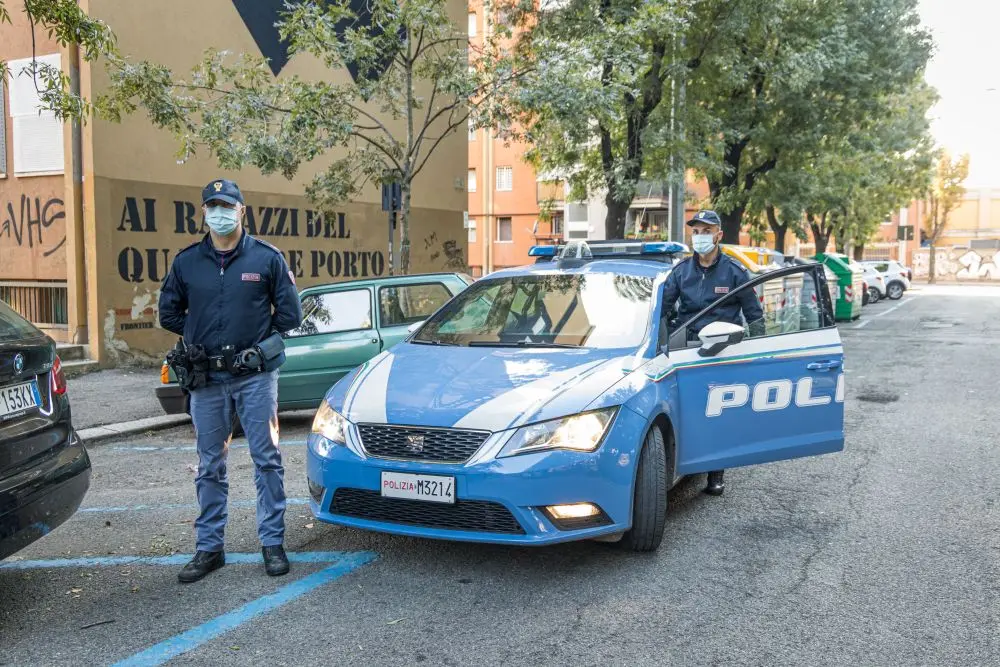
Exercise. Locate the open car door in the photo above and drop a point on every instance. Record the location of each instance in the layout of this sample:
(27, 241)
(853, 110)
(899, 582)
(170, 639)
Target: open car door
(765, 391)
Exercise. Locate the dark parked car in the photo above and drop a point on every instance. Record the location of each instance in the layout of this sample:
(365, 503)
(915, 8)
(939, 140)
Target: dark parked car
(44, 467)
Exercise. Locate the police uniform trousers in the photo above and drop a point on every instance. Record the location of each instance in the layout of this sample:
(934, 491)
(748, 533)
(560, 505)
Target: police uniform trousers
(255, 399)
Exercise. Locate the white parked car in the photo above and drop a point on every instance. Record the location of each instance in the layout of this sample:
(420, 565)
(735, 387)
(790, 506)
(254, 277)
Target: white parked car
(877, 285)
(897, 276)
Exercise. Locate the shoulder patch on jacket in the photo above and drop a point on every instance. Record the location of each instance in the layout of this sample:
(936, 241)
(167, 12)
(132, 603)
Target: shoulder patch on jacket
(185, 249)
(266, 244)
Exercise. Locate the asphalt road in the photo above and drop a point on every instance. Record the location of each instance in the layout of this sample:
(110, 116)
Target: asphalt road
(887, 553)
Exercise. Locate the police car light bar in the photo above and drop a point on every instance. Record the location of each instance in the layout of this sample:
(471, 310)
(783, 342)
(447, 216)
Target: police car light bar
(542, 251)
(663, 248)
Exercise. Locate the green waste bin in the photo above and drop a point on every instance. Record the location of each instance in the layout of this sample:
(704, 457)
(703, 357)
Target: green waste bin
(849, 285)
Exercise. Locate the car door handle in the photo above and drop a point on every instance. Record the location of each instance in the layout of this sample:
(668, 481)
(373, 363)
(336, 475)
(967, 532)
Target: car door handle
(824, 365)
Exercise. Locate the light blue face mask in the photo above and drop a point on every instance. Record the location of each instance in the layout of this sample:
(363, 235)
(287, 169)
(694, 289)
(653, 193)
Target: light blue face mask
(703, 243)
(221, 220)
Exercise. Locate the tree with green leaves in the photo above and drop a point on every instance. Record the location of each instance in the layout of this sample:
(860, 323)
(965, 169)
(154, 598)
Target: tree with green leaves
(412, 87)
(597, 78)
(783, 76)
(944, 196)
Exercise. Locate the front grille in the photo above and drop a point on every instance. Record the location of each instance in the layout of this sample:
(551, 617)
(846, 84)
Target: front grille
(473, 515)
(440, 445)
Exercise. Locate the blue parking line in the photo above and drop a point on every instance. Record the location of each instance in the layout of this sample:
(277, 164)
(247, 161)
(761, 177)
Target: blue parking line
(200, 634)
(193, 448)
(322, 557)
(176, 506)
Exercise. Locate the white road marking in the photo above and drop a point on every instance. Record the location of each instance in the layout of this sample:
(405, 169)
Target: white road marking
(861, 325)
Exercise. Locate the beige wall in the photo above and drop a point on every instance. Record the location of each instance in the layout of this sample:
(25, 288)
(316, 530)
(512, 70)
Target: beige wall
(32, 216)
(142, 207)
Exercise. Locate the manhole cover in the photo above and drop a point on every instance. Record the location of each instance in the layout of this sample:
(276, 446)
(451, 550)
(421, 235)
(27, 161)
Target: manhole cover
(878, 397)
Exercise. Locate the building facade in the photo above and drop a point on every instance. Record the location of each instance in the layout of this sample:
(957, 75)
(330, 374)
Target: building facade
(92, 217)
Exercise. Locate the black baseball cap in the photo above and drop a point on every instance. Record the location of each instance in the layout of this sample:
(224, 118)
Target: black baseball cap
(707, 217)
(222, 190)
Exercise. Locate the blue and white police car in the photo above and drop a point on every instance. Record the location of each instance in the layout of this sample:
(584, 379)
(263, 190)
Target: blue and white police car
(559, 401)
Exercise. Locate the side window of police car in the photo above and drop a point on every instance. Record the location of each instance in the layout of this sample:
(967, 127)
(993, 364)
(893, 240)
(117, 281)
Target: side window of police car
(789, 302)
(335, 312)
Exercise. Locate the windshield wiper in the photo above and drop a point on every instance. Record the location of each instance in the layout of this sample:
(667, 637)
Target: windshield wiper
(519, 343)
(434, 342)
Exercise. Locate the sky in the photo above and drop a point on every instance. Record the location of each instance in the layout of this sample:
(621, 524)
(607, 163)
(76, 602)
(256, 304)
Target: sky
(965, 69)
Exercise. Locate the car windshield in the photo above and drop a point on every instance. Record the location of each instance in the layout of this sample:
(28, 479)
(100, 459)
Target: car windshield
(597, 310)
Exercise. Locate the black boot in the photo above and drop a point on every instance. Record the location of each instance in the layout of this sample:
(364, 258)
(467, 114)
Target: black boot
(716, 485)
(202, 563)
(275, 561)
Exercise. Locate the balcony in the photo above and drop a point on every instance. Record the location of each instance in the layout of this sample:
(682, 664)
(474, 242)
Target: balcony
(549, 193)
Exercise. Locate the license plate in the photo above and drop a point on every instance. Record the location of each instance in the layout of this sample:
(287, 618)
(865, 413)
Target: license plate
(434, 488)
(18, 398)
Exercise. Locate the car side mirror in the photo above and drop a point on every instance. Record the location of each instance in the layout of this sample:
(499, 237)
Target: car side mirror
(717, 336)
(416, 325)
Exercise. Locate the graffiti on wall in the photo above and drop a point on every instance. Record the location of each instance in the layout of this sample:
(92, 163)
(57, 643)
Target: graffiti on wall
(959, 264)
(25, 223)
(150, 228)
(140, 262)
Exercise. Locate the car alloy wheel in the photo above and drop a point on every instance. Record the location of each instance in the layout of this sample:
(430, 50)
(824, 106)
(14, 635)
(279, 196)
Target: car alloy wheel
(895, 291)
(873, 295)
(649, 502)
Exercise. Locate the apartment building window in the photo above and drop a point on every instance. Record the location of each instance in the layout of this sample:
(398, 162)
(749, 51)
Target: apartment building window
(505, 230)
(472, 24)
(557, 223)
(471, 181)
(37, 134)
(472, 230)
(505, 179)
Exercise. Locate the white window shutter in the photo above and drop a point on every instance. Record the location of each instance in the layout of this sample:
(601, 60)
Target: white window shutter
(37, 134)
(38, 144)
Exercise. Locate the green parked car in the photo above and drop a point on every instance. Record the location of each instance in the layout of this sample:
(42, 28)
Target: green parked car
(343, 325)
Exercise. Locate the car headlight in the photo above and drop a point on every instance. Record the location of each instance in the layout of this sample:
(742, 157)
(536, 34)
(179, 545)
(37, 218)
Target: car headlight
(332, 426)
(580, 433)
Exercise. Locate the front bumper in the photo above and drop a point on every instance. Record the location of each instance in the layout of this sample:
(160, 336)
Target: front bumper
(173, 399)
(519, 485)
(36, 500)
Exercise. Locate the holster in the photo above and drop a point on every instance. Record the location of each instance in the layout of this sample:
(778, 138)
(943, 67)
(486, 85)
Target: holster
(189, 364)
(272, 351)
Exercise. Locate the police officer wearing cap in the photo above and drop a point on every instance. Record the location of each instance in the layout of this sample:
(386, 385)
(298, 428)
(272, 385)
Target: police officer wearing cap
(230, 296)
(701, 280)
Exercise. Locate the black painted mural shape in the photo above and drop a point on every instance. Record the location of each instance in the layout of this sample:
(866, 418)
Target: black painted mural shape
(260, 17)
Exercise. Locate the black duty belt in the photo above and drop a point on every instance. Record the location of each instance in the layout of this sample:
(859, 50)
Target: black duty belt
(217, 363)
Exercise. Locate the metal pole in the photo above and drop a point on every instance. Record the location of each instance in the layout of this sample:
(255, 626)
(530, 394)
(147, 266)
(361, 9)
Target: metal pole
(679, 189)
(392, 225)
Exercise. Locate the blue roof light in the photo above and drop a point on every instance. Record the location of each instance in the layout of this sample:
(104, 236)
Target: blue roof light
(542, 251)
(663, 248)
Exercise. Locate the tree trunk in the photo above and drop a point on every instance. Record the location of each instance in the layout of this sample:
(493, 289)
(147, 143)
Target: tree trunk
(404, 231)
(932, 264)
(859, 251)
(821, 234)
(732, 222)
(617, 213)
(841, 244)
(779, 229)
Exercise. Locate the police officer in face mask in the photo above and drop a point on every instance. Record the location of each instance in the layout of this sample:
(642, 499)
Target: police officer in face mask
(699, 281)
(230, 296)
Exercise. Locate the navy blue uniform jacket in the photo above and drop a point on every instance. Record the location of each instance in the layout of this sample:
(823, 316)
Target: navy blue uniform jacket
(698, 287)
(238, 301)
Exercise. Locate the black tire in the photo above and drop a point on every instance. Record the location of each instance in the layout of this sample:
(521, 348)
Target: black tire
(649, 502)
(873, 295)
(895, 290)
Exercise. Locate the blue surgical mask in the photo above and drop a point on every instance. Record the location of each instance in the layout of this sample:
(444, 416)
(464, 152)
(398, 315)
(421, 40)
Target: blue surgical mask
(703, 243)
(223, 221)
